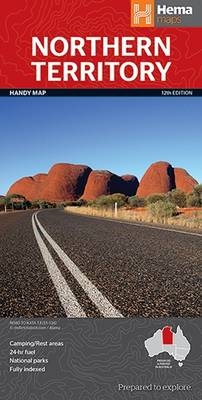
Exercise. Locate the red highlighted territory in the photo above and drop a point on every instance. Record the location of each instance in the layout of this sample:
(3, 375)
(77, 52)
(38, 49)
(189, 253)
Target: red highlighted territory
(167, 335)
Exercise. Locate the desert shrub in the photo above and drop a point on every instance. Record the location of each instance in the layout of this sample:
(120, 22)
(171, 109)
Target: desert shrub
(198, 193)
(135, 201)
(34, 204)
(68, 203)
(192, 200)
(198, 189)
(90, 203)
(177, 197)
(51, 204)
(42, 204)
(2, 203)
(109, 201)
(153, 198)
(28, 204)
(81, 202)
(162, 209)
(60, 205)
(75, 203)
(19, 206)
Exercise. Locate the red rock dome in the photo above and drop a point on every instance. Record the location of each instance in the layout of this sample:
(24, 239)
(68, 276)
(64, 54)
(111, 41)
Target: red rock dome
(70, 182)
(159, 178)
(40, 177)
(29, 187)
(105, 182)
(65, 182)
(184, 181)
(99, 183)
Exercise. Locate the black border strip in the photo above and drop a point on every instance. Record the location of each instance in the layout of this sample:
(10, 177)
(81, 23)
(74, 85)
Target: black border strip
(40, 92)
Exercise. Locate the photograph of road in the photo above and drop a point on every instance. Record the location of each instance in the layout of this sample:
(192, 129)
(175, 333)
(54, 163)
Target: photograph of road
(100, 207)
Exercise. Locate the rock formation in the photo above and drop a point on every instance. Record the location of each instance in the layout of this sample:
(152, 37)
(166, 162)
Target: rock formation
(105, 182)
(99, 183)
(30, 187)
(159, 178)
(65, 182)
(71, 182)
(130, 184)
(183, 180)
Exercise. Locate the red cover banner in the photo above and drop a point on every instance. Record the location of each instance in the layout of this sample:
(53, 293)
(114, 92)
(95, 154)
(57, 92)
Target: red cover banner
(21, 20)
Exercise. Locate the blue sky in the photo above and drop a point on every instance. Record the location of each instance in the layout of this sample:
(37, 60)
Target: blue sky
(124, 135)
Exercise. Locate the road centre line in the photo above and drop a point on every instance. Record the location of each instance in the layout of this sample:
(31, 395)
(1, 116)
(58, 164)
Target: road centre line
(101, 302)
(68, 300)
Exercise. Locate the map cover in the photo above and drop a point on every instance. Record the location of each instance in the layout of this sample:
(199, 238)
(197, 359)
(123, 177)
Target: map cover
(100, 200)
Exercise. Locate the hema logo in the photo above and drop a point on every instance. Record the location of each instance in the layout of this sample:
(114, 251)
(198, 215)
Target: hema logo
(142, 13)
(176, 10)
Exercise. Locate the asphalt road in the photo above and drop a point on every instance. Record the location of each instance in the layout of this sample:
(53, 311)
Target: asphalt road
(58, 264)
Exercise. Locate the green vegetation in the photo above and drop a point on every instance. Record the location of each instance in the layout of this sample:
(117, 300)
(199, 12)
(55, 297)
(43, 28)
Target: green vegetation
(12, 201)
(162, 210)
(2, 204)
(135, 201)
(44, 204)
(157, 208)
(16, 202)
(109, 201)
(198, 193)
(153, 198)
(177, 197)
(75, 203)
(194, 199)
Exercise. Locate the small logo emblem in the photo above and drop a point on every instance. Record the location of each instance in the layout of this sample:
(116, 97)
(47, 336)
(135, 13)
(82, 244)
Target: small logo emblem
(142, 13)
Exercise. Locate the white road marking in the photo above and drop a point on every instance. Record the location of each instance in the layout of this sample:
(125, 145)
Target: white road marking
(101, 302)
(68, 300)
(139, 225)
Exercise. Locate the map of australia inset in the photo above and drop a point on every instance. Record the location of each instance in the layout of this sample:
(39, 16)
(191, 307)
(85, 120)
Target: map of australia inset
(165, 340)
